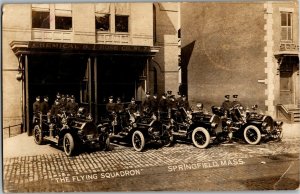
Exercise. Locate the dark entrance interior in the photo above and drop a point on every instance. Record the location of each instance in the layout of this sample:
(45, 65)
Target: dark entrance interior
(289, 71)
(50, 74)
(119, 76)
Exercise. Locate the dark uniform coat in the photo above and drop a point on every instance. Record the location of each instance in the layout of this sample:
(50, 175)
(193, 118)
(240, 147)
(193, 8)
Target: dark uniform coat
(55, 109)
(163, 105)
(110, 107)
(226, 105)
(72, 107)
(185, 104)
(154, 104)
(36, 107)
(147, 103)
(119, 107)
(45, 107)
(132, 108)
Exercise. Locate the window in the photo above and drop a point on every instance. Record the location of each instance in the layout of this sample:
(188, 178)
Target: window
(112, 17)
(286, 26)
(121, 23)
(102, 22)
(41, 19)
(52, 16)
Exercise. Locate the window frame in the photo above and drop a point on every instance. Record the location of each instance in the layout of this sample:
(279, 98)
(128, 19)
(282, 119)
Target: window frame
(119, 32)
(109, 23)
(52, 17)
(288, 27)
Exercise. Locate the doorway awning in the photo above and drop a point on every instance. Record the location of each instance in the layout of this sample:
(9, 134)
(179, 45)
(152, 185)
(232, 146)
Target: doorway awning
(37, 47)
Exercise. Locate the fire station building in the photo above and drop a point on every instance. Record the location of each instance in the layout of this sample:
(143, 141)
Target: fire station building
(90, 50)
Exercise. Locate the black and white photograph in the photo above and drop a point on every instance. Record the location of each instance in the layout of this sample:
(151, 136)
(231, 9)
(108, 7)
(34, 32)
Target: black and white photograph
(150, 96)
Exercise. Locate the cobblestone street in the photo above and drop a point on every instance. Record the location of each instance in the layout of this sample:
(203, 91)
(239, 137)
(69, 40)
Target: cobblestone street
(119, 168)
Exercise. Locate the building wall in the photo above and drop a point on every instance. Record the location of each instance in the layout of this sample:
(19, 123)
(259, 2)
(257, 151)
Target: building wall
(228, 52)
(14, 28)
(290, 6)
(167, 25)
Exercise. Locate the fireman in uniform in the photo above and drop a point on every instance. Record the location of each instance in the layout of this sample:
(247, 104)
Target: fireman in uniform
(163, 106)
(72, 106)
(132, 107)
(235, 101)
(147, 109)
(45, 106)
(37, 105)
(119, 106)
(226, 105)
(110, 106)
(36, 108)
(184, 103)
(56, 108)
(154, 103)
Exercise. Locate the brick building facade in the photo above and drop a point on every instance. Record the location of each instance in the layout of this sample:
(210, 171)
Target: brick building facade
(90, 50)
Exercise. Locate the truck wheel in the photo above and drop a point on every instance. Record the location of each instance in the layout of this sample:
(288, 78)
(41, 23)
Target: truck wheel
(138, 141)
(200, 137)
(252, 135)
(68, 143)
(37, 134)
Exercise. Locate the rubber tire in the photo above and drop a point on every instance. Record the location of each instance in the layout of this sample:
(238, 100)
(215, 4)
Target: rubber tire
(206, 134)
(71, 151)
(257, 132)
(141, 137)
(38, 140)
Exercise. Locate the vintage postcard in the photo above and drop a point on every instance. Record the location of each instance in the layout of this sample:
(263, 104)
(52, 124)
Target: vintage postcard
(150, 96)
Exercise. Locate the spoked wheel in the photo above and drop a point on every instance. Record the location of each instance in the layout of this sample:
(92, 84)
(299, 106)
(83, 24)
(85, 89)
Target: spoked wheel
(252, 135)
(37, 134)
(68, 143)
(200, 137)
(138, 141)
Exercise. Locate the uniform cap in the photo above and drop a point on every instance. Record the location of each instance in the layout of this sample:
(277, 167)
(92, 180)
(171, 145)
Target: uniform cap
(111, 97)
(58, 95)
(57, 100)
(62, 95)
(67, 96)
(227, 96)
(147, 93)
(118, 99)
(169, 92)
(132, 99)
(183, 95)
(46, 97)
(235, 96)
(38, 97)
(164, 94)
(154, 94)
(178, 93)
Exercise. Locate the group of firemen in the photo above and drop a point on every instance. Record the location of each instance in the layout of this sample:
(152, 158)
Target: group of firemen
(62, 103)
(227, 104)
(150, 104)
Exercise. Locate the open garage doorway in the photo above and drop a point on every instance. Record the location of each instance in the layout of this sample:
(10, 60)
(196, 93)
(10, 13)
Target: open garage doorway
(51, 74)
(121, 76)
